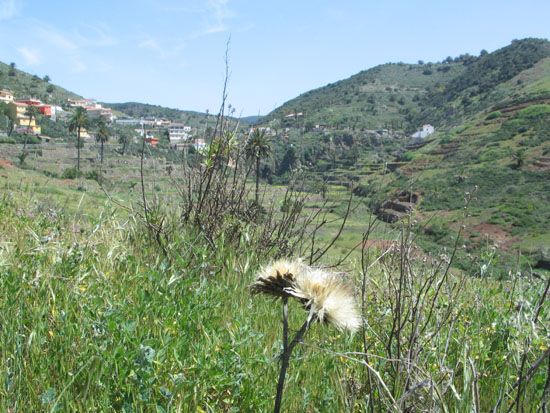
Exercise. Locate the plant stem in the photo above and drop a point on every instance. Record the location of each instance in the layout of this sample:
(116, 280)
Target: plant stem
(285, 357)
(287, 351)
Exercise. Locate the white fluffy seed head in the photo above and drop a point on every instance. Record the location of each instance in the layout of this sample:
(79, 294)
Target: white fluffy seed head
(328, 295)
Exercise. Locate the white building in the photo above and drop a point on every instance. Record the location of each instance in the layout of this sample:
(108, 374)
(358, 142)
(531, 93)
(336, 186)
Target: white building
(6, 95)
(426, 131)
(199, 143)
(178, 133)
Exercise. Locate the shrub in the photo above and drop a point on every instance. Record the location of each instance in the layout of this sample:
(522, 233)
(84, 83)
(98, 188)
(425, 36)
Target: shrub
(494, 115)
(70, 173)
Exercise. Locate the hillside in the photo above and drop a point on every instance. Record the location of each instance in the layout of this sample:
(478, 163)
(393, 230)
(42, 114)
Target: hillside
(402, 96)
(23, 84)
(485, 82)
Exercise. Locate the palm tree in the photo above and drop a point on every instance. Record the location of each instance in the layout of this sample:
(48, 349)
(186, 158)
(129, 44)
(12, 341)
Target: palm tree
(31, 112)
(78, 121)
(102, 135)
(257, 147)
(123, 139)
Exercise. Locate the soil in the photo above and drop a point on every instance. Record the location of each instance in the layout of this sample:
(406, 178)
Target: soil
(496, 234)
(4, 163)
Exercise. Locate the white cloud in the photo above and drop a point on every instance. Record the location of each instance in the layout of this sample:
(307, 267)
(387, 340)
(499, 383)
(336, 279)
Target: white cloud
(218, 14)
(163, 52)
(77, 65)
(57, 39)
(95, 36)
(31, 56)
(8, 9)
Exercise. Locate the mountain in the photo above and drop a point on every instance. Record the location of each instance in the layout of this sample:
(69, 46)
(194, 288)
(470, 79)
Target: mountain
(400, 95)
(251, 120)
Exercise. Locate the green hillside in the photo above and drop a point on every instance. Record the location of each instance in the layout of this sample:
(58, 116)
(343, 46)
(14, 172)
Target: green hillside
(384, 95)
(24, 84)
(402, 96)
(484, 83)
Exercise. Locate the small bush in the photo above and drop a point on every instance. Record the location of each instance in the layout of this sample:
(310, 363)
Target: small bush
(494, 115)
(70, 173)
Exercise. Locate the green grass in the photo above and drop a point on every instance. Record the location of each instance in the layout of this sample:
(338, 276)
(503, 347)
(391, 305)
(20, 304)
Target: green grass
(93, 318)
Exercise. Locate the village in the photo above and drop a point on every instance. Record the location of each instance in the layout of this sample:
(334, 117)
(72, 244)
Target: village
(179, 135)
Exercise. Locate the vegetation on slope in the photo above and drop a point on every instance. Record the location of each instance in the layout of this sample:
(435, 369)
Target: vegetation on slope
(23, 84)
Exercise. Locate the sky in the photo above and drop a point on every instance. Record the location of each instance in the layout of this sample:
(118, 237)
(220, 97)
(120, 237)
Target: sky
(171, 52)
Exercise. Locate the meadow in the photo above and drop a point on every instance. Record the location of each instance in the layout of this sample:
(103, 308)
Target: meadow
(96, 316)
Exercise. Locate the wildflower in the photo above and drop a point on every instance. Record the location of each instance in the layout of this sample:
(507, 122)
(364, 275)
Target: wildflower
(327, 295)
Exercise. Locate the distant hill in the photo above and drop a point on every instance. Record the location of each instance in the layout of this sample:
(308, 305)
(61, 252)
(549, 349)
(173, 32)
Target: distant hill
(386, 95)
(24, 84)
(145, 110)
(251, 120)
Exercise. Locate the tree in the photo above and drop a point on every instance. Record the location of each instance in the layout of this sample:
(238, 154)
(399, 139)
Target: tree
(519, 156)
(78, 121)
(47, 79)
(102, 135)
(257, 147)
(9, 112)
(32, 113)
(288, 162)
(123, 139)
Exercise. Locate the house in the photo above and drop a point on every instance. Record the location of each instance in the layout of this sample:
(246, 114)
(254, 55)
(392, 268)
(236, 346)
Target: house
(128, 121)
(426, 131)
(178, 132)
(94, 109)
(83, 103)
(23, 121)
(163, 123)
(98, 112)
(6, 95)
(151, 139)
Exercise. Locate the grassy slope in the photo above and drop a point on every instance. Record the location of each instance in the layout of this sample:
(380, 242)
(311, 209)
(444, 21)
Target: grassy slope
(93, 319)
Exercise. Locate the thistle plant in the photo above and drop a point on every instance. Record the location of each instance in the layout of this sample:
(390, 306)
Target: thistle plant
(326, 296)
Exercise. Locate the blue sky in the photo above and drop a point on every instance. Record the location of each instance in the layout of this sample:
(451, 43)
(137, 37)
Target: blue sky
(171, 52)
